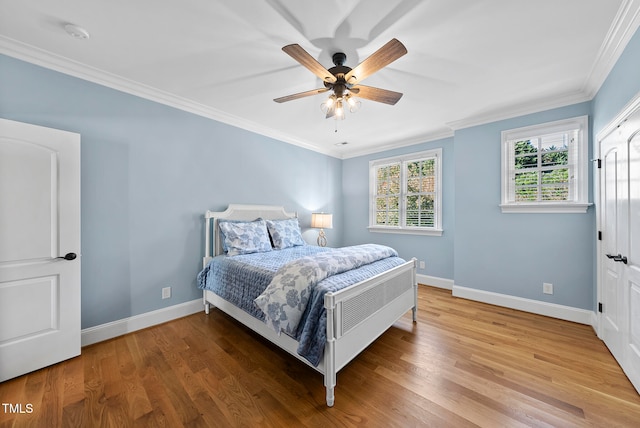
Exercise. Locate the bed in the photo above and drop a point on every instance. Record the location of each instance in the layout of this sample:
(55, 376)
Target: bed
(353, 316)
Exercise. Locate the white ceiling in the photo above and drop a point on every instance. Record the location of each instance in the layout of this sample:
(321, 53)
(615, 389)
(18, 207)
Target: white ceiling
(468, 61)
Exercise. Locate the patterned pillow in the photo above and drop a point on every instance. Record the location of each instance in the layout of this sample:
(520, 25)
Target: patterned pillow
(245, 237)
(285, 233)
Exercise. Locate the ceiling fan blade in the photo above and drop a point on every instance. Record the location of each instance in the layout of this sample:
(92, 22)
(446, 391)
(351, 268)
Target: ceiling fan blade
(300, 95)
(376, 94)
(296, 52)
(384, 56)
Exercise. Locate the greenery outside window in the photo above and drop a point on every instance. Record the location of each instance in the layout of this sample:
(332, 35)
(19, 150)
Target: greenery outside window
(544, 167)
(405, 194)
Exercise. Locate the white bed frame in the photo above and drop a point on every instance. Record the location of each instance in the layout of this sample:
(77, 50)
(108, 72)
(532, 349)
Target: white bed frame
(356, 315)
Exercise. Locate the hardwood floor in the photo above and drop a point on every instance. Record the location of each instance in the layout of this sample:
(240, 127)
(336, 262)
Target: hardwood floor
(462, 364)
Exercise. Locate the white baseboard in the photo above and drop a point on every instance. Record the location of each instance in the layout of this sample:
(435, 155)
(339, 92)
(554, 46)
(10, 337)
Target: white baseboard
(568, 313)
(117, 328)
(434, 281)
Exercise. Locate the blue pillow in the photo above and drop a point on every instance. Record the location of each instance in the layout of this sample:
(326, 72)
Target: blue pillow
(245, 237)
(285, 233)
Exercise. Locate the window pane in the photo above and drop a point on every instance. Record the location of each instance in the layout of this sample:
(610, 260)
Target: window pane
(427, 203)
(526, 146)
(420, 219)
(555, 193)
(526, 194)
(526, 178)
(394, 216)
(412, 203)
(381, 204)
(428, 184)
(554, 158)
(393, 203)
(413, 185)
(555, 176)
(413, 218)
(394, 187)
(427, 219)
(428, 167)
(413, 169)
(529, 161)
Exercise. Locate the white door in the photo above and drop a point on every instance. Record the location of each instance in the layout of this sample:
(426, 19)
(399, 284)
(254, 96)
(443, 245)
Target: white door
(620, 258)
(39, 222)
(613, 212)
(632, 267)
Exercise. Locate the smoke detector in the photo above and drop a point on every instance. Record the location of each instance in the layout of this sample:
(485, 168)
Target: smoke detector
(76, 32)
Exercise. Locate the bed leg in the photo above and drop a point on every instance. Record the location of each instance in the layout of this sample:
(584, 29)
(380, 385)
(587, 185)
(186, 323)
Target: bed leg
(414, 310)
(207, 308)
(330, 397)
(330, 354)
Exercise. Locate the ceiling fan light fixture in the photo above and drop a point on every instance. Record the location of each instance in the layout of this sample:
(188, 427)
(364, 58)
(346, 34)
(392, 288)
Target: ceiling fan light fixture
(344, 81)
(339, 110)
(354, 103)
(328, 104)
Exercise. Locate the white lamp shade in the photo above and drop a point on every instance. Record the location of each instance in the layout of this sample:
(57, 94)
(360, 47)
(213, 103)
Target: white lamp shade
(321, 220)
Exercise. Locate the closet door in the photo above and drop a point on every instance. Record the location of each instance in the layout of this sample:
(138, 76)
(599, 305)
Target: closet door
(613, 206)
(632, 267)
(39, 227)
(620, 249)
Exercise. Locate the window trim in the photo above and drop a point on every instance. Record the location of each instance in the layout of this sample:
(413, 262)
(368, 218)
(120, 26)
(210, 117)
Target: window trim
(581, 186)
(436, 230)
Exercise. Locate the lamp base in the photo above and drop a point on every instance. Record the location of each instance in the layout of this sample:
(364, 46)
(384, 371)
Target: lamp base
(322, 239)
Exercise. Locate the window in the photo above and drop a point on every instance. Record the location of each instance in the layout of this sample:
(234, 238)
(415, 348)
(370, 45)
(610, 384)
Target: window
(405, 194)
(544, 167)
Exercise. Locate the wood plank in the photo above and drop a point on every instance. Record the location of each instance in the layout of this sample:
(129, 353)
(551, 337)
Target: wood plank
(462, 364)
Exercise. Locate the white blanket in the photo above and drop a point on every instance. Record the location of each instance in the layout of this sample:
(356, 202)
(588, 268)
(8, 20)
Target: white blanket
(285, 298)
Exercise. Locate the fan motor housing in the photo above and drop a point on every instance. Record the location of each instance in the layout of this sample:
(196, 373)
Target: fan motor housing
(339, 70)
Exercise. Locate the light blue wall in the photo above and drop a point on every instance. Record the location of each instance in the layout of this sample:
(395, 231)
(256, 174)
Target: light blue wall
(483, 249)
(436, 251)
(148, 174)
(514, 254)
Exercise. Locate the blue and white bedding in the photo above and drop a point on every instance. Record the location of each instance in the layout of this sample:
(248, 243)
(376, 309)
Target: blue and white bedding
(241, 279)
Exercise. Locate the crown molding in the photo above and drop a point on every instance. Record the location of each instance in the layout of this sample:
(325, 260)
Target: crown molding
(46, 59)
(426, 138)
(512, 111)
(624, 26)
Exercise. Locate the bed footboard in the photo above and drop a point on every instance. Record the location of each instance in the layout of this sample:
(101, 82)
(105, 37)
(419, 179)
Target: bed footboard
(358, 315)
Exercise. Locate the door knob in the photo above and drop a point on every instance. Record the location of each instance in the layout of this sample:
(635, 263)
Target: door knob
(618, 258)
(68, 256)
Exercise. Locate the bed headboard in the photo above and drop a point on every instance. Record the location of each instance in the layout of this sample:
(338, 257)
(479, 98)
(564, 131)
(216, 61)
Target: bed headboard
(237, 212)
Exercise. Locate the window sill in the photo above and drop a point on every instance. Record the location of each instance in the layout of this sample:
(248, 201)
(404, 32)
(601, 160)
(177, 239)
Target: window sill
(551, 208)
(406, 230)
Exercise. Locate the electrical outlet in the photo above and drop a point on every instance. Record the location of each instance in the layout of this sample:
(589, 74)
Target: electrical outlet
(422, 264)
(547, 288)
(166, 292)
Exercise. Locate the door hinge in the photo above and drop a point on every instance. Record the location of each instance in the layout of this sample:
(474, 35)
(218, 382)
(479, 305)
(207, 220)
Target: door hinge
(599, 163)
(600, 307)
(599, 235)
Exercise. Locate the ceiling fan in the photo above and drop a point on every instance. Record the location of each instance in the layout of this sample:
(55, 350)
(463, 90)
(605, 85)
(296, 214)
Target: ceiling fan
(343, 81)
